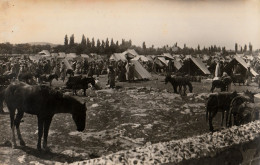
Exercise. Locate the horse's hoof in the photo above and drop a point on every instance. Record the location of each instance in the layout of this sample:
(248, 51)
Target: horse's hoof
(39, 148)
(22, 143)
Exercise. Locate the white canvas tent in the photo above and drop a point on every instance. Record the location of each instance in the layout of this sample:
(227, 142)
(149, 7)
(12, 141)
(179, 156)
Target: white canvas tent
(245, 65)
(118, 56)
(140, 71)
(44, 53)
(141, 58)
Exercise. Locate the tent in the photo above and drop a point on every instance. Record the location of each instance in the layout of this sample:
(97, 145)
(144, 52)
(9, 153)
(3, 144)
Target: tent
(238, 60)
(177, 64)
(194, 66)
(118, 56)
(131, 52)
(140, 71)
(67, 64)
(168, 56)
(141, 58)
(45, 53)
(62, 54)
(71, 55)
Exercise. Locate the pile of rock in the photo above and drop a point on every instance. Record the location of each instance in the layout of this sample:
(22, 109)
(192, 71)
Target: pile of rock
(176, 151)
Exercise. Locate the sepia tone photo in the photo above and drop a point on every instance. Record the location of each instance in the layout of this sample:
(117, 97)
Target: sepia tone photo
(112, 82)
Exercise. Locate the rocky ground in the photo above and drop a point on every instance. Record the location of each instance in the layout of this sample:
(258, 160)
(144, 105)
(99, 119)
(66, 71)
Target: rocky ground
(133, 115)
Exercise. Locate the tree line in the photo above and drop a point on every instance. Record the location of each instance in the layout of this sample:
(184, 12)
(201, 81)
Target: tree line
(110, 46)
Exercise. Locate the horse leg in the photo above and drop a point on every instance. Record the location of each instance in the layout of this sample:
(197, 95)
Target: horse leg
(212, 89)
(40, 132)
(47, 124)
(222, 119)
(12, 114)
(211, 116)
(17, 122)
(184, 89)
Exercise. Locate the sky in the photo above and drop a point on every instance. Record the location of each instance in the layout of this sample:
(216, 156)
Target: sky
(157, 22)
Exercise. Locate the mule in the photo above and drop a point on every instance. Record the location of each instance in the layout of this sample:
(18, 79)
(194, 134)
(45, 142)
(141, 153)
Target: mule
(222, 84)
(47, 78)
(180, 82)
(235, 107)
(79, 82)
(69, 72)
(43, 102)
(218, 102)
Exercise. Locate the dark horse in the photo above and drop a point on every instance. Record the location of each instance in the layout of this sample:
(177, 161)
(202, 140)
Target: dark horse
(222, 84)
(235, 107)
(238, 78)
(218, 102)
(79, 82)
(26, 77)
(43, 102)
(48, 78)
(180, 82)
(69, 72)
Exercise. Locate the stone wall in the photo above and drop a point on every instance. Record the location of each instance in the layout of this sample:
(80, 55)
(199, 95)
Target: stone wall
(236, 145)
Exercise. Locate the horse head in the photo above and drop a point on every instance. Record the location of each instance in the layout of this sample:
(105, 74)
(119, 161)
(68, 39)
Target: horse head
(79, 116)
(250, 95)
(167, 79)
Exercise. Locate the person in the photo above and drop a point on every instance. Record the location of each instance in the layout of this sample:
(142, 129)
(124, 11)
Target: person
(111, 76)
(248, 76)
(131, 70)
(224, 76)
(63, 72)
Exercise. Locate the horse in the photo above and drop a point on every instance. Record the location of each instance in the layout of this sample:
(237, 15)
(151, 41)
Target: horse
(218, 102)
(48, 78)
(70, 72)
(79, 82)
(238, 78)
(235, 107)
(9, 75)
(222, 84)
(43, 102)
(26, 77)
(180, 82)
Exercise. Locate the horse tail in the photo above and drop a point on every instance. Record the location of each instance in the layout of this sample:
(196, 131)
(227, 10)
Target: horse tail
(207, 112)
(2, 97)
(190, 86)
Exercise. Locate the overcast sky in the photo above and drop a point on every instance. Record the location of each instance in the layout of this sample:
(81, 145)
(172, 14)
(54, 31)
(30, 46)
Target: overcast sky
(157, 22)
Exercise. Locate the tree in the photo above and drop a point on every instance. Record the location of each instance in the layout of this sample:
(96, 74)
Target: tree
(245, 48)
(93, 43)
(83, 40)
(144, 46)
(235, 47)
(66, 40)
(72, 40)
(98, 44)
(198, 47)
(250, 47)
(112, 43)
(107, 43)
(88, 43)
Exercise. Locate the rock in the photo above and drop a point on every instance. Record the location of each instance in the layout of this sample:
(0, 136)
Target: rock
(68, 93)
(190, 94)
(94, 105)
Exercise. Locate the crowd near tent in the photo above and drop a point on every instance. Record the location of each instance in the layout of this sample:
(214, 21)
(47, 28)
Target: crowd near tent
(238, 60)
(194, 66)
(140, 71)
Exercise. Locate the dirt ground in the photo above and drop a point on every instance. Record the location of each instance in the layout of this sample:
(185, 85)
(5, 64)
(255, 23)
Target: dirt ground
(132, 115)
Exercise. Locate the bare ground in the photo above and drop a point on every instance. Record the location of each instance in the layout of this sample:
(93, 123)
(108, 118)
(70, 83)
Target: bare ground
(132, 115)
